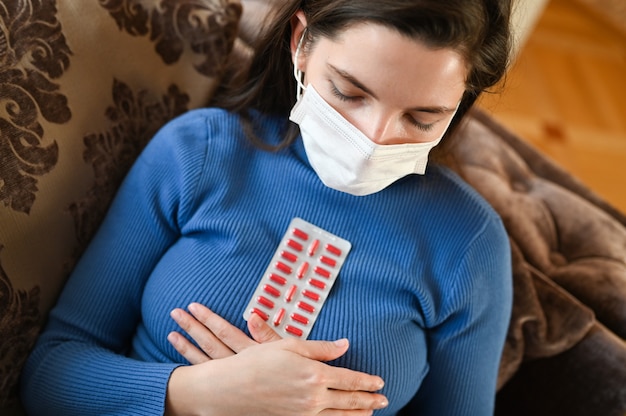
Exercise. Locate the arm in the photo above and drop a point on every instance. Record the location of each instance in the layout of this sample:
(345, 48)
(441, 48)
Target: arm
(464, 349)
(81, 354)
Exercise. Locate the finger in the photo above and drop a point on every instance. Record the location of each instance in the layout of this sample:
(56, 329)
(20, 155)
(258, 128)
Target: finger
(203, 336)
(260, 330)
(338, 378)
(187, 349)
(357, 400)
(228, 334)
(336, 412)
(316, 350)
(343, 379)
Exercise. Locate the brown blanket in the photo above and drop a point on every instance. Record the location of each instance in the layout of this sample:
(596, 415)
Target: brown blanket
(569, 246)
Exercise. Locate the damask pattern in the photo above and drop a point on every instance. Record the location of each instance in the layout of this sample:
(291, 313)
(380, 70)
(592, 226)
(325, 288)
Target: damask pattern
(135, 118)
(207, 27)
(34, 56)
(19, 326)
(33, 52)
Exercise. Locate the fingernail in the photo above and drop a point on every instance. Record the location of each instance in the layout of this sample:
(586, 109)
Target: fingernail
(255, 321)
(341, 342)
(193, 307)
(175, 314)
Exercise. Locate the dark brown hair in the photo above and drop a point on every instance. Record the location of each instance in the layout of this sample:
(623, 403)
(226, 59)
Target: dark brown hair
(478, 29)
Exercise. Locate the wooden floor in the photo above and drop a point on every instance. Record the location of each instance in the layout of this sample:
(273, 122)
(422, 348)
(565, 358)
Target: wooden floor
(566, 94)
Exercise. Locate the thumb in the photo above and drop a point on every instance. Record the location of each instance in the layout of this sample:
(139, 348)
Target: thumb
(260, 330)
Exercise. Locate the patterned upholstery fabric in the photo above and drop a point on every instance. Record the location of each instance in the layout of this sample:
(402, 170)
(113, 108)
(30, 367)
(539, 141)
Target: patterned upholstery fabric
(83, 86)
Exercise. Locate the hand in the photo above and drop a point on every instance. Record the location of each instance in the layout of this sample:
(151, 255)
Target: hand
(216, 337)
(285, 377)
(281, 377)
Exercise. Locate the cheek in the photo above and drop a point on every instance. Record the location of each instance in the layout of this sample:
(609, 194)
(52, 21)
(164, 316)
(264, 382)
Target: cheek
(353, 111)
(363, 119)
(362, 116)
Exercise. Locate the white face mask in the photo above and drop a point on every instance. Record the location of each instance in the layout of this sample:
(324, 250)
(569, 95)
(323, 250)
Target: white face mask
(343, 157)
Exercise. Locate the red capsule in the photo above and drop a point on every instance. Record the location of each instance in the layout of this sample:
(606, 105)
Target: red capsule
(328, 261)
(299, 318)
(262, 300)
(295, 245)
(278, 279)
(304, 267)
(322, 272)
(283, 267)
(271, 290)
(288, 256)
(332, 249)
(311, 295)
(313, 247)
(300, 234)
(292, 291)
(293, 330)
(260, 313)
(278, 318)
(306, 307)
(317, 283)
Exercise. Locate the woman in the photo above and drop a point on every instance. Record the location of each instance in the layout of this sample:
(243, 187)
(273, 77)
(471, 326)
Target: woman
(424, 295)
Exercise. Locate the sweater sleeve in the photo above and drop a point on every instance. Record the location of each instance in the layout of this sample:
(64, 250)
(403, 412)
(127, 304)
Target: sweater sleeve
(465, 347)
(79, 365)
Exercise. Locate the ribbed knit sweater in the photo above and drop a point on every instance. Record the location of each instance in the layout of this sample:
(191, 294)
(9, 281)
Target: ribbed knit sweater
(424, 296)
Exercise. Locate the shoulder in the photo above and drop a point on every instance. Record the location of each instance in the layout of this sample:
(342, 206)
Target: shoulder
(459, 203)
(471, 215)
(212, 123)
(189, 137)
(472, 240)
(180, 150)
(199, 122)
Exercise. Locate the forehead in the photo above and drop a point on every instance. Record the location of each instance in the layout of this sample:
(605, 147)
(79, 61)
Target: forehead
(387, 61)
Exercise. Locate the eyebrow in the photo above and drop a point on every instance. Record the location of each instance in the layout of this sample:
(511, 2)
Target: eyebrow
(348, 77)
(437, 109)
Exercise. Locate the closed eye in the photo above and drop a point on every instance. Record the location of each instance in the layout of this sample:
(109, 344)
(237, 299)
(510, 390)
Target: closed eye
(335, 91)
(421, 126)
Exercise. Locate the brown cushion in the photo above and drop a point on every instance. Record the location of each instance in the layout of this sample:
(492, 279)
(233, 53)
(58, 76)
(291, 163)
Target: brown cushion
(587, 379)
(569, 246)
(83, 87)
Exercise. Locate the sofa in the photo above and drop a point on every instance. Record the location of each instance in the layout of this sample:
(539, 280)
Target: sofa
(85, 84)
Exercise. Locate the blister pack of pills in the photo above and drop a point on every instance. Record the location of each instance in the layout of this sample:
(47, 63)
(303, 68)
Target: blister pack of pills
(298, 279)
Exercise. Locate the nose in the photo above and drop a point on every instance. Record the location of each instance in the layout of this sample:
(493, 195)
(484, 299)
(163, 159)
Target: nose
(383, 129)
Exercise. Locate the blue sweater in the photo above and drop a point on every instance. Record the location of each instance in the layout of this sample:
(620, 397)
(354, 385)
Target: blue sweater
(424, 296)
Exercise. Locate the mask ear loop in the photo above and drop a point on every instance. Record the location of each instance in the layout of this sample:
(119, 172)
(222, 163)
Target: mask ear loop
(297, 73)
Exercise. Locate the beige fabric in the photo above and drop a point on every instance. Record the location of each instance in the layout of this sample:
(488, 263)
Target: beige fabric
(83, 86)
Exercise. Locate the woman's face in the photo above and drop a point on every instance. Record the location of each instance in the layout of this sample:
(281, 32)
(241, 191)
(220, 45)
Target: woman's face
(392, 88)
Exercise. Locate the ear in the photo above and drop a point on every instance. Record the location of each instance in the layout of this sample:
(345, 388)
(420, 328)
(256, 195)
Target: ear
(298, 24)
